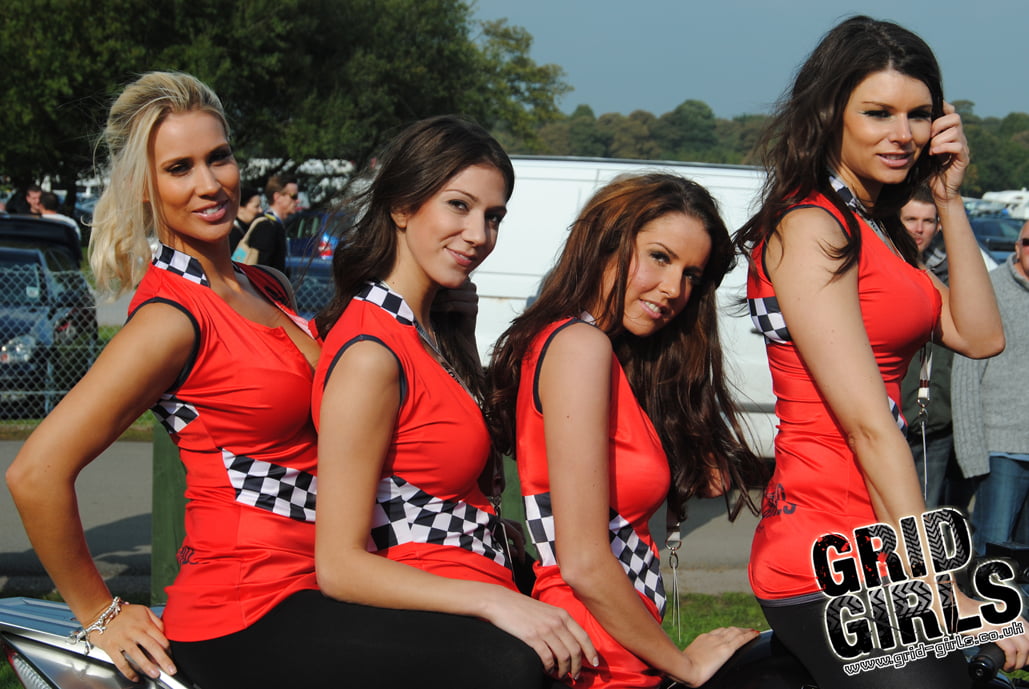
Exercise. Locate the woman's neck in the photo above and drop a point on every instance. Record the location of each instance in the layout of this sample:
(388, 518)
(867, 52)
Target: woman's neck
(417, 293)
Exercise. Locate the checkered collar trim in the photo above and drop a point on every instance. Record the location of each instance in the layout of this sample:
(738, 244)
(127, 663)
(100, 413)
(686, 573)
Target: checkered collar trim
(383, 296)
(847, 196)
(179, 263)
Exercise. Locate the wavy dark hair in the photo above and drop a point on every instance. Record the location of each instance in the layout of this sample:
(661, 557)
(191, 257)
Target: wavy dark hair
(802, 140)
(416, 164)
(677, 374)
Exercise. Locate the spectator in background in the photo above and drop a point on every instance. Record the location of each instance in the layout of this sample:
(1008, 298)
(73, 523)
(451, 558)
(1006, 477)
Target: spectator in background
(26, 202)
(268, 234)
(249, 208)
(48, 204)
(938, 471)
(991, 407)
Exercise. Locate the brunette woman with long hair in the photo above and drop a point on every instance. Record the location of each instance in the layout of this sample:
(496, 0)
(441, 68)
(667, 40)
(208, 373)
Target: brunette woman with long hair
(403, 528)
(835, 288)
(611, 394)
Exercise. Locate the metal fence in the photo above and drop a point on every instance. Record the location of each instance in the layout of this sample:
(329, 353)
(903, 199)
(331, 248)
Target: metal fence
(48, 336)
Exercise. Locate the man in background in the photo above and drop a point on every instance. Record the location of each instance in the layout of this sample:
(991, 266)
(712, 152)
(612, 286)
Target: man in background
(267, 233)
(991, 409)
(48, 204)
(933, 447)
(26, 202)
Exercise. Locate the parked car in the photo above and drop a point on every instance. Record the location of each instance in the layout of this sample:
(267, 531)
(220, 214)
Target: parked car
(312, 284)
(48, 326)
(313, 235)
(311, 238)
(997, 234)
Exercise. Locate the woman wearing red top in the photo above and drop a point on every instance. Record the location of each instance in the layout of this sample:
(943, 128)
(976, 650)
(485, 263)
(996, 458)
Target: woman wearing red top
(402, 523)
(609, 389)
(836, 290)
(217, 352)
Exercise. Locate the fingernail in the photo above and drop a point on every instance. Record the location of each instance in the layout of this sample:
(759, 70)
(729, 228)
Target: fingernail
(596, 661)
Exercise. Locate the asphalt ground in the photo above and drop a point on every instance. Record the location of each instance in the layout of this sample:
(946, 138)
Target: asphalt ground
(115, 503)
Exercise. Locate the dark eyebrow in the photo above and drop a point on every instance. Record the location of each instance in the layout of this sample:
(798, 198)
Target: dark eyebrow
(890, 106)
(664, 248)
(476, 199)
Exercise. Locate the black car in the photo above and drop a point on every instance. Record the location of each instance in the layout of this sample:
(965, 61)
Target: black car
(48, 326)
(996, 234)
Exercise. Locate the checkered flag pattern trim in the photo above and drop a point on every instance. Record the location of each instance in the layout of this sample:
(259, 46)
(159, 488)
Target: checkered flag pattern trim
(380, 294)
(539, 518)
(406, 514)
(640, 563)
(897, 416)
(181, 264)
(768, 319)
(173, 413)
(285, 492)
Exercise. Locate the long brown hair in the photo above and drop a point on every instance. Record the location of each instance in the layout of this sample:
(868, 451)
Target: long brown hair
(676, 374)
(417, 163)
(801, 141)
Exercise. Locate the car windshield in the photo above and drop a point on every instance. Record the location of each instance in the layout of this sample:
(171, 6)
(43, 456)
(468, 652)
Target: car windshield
(21, 282)
(1004, 228)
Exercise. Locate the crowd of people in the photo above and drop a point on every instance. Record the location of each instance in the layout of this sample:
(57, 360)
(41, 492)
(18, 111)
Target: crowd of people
(344, 474)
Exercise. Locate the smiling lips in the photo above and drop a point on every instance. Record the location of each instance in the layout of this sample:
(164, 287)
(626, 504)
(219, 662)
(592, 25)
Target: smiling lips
(653, 309)
(463, 260)
(897, 160)
(213, 214)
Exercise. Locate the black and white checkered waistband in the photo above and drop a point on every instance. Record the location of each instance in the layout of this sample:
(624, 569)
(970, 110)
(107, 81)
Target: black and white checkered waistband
(278, 489)
(406, 514)
(641, 564)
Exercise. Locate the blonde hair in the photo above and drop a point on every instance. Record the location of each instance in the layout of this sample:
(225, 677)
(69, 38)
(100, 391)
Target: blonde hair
(125, 218)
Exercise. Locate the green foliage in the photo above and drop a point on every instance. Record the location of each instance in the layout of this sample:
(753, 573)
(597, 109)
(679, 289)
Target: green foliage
(300, 79)
(689, 132)
(1000, 146)
(702, 613)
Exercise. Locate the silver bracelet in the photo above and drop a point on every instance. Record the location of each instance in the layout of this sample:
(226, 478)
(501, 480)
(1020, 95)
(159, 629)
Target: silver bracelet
(100, 625)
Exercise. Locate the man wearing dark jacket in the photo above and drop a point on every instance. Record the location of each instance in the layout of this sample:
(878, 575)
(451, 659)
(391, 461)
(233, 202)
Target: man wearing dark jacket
(268, 231)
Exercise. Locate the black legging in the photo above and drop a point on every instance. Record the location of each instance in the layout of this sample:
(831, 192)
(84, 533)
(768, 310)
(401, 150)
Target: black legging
(801, 628)
(309, 640)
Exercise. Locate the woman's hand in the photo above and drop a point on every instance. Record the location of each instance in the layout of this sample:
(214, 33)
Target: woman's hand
(948, 141)
(709, 651)
(1016, 648)
(135, 639)
(558, 640)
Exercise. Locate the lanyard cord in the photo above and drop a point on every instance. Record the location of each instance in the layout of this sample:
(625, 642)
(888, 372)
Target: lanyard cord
(925, 358)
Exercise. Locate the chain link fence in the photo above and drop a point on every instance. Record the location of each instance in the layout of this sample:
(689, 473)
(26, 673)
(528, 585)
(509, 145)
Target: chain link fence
(49, 336)
(48, 333)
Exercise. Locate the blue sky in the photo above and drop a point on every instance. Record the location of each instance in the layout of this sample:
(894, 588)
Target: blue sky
(739, 55)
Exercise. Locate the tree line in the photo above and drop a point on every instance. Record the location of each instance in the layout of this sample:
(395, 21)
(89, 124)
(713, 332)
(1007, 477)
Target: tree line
(300, 79)
(692, 132)
(334, 79)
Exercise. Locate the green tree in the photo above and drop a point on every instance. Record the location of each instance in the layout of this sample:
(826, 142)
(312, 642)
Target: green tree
(686, 132)
(299, 78)
(518, 96)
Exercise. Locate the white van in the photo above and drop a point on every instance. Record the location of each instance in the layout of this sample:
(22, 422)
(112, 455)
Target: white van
(548, 195)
